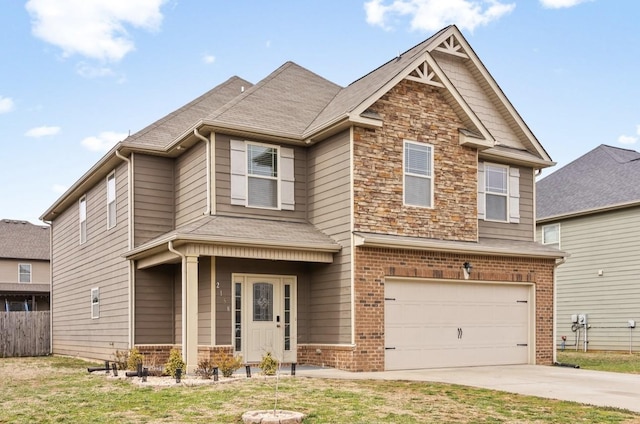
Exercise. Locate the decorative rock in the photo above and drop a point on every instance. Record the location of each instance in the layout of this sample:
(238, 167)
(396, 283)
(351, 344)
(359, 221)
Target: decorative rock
(269, 417)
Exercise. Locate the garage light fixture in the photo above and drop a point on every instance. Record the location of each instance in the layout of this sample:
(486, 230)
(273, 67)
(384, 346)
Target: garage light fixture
(467, 267)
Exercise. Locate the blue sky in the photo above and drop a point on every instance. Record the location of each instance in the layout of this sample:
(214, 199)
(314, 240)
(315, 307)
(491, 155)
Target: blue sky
(77, 76)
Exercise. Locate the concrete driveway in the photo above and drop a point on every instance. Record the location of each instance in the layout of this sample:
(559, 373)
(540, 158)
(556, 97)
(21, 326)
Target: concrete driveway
(577, 385)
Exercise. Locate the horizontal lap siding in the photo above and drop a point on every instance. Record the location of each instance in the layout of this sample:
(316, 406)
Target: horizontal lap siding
(40, 271)
(154, 305)
(79, 268)
(154, 197)
(524, 230)
(191, 184)
(609, 242)
(223, 186)
(328, 298)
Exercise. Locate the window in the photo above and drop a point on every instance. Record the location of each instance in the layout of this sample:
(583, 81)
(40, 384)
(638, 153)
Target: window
(418, 174)
(262, 175)
(498, 193)
(83, 219)
(551, 235)
(95, 303)
(24, 273)
(111, 200)
(496, 190)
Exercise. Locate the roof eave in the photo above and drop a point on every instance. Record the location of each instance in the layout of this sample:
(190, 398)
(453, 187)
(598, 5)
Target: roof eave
(591, 211)
(373, 240)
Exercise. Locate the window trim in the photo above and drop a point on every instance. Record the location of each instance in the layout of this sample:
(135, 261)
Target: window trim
(82, 218)
(20, 273)
(277, 178)
(506, 194)
(544, 241)
(95, 303)
(111, 178)
(405, 173)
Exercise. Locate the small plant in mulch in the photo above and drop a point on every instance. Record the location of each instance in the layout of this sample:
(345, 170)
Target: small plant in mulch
(205, 369)
(175, 362)
(268, 364)
(121, 358)
(134, 358)
(226, 363)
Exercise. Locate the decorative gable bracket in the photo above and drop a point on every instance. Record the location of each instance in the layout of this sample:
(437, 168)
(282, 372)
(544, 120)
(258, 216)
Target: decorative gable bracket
(425, 74)
(452, 46)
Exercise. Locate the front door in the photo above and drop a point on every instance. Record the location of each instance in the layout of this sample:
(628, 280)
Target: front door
(269, 317)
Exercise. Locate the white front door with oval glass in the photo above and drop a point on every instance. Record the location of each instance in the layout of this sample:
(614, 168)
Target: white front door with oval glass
(265, 317)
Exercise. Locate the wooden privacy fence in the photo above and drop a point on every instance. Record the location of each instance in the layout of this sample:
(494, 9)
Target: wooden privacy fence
(24, 333)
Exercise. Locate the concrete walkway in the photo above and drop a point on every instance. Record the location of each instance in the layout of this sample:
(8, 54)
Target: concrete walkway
(589, 387)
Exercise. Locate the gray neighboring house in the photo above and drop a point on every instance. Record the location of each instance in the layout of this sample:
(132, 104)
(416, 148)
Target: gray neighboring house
(24, 266)
(590, 209)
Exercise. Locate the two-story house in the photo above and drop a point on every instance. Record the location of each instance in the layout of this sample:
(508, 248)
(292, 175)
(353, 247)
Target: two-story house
(24, 266)
(590, 209)
(388, 224)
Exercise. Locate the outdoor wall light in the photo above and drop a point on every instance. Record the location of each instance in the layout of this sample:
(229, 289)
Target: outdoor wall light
(467, 269)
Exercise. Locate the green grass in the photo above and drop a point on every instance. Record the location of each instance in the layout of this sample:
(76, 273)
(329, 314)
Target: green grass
(60, 390)
(602, 361)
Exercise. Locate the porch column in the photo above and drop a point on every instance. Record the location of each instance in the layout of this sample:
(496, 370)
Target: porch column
(190, 315)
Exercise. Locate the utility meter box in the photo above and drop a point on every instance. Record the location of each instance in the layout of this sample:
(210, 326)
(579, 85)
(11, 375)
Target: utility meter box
(574, 318)
(631, 323)
(582, 319)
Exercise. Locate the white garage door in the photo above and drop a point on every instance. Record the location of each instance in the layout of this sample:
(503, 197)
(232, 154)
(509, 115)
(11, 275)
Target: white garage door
(437, 325)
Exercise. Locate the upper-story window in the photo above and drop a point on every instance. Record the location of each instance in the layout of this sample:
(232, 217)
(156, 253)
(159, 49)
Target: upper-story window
(111, 200)
(82, 212)
(551, 235)
(498, 193)
(418, 174)
(262, 175)
(24, 273)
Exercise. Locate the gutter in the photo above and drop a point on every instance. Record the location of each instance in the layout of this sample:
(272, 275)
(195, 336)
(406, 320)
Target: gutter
(208, 166)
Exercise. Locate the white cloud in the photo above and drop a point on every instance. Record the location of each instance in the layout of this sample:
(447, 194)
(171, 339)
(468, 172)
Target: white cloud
(96, 28)
(88, 71)
(433, 15)
(6, 104)
(559, 4)
(626, 139)
(38, 132)
(208, 58)
(103, 141)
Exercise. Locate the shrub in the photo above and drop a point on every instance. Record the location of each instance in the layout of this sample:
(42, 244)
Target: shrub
(134, 358)
(121, 359)
(268, 364)
(175, 361)
(227, 364)
(205, 368)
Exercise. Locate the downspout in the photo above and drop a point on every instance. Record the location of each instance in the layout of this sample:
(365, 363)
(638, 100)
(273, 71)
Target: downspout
(184, 297)
(555, 307)
(50, 223)
(132, 288)
(208, 166)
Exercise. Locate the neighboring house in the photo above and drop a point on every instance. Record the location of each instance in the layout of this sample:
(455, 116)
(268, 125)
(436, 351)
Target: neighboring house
(590, 209)
(24, 266)
(328, 225)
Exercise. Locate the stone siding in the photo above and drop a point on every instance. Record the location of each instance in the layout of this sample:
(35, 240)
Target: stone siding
(416, 112)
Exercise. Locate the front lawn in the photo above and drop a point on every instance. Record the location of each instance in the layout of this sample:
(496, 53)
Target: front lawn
(60, 390)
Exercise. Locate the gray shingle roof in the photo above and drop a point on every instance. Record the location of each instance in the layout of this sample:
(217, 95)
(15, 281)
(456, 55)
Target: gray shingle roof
(285, 102)
(604, 177)
(165, 130)
(23, 240)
